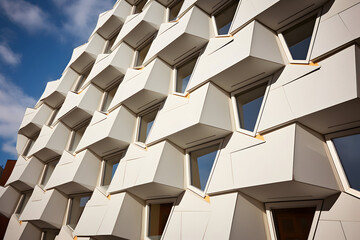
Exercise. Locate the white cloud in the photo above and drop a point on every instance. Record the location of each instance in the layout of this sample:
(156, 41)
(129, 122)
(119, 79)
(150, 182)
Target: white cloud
(13, 102)
(81, 15)
(25, 14)
(8, 56)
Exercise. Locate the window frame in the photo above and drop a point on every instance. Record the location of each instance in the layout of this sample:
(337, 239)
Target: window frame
(141, 46)
(181, 63)
(188, 167)
(20, 202)
(245, 88)
(29, 144)
(70, 204)
(168, 9)
(293, 204)
(81, 79)
(292, 24)
(45, 168)
(72, 135)
(147, 213)
(113, 36)
(118, 154)
(339, 169)
(51, 121)
(157, 106)
(43, 232)
(104, 98)
(219, 10)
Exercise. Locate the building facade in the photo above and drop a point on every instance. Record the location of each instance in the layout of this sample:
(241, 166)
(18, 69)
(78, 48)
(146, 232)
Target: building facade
(197, 119)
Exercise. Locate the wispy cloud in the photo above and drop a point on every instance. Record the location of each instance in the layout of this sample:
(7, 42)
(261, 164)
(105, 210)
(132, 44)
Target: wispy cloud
(25, 14)
(8, 56)
(81, 15)
(13, 102)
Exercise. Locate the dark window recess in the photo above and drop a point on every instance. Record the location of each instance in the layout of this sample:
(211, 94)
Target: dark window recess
(201, 163)
(224, 18)
(298, 38)
(293, 223)
(348, 150)
(249, 104)
(158, 216)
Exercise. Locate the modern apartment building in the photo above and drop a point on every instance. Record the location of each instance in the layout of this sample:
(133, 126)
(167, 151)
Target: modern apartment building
(197, 119)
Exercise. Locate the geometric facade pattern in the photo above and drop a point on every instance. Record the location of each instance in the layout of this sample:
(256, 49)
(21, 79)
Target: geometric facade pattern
(197, 119)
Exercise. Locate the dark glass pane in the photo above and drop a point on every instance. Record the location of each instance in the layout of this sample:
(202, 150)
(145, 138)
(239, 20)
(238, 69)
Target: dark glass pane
(23, 202)
(139, 6)
(224, 18)
(183, 75)
(201, 163)
(249, 104)
(142, 54)
(48, 171)
(158, 216)
(50, 235)
(146, 123)
(298, 38)
(174, 10)
(293, 223)
(109, 170)
(77, 207)
(348, 149)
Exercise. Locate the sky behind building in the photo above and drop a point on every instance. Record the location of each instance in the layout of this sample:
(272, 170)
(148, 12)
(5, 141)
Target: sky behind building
(37, 38)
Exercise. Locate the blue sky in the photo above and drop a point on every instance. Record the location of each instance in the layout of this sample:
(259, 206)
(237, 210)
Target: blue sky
(37, 38)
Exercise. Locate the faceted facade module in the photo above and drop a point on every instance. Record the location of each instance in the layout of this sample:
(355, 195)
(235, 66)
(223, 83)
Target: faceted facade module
(197, 119)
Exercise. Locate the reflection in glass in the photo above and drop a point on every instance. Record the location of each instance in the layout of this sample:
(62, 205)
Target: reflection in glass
(146, 123)
(141, 54)
(24, 200)
(348, 150)
(76, 209)
(224, 18)
(139, 6)
(293, 223)
(174, 10)
(158, 216)
(183, 75)
(108, 97)
(201, 163)
(49, 169)
(110, 167)
(249, 104)
(76, 137)
(298, 38)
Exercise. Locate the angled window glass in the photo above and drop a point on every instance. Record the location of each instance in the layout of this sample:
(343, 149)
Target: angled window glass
(298, 38)
(201, 163)
(110, 166)
(49, 234)
(248, 106)
(53, 116)
(224, 18)
(81, 79)
(23, 201)
(139, 6)
(146, 122)
(77, 207)
(175, 9)
(183, 74)
(76, 136)
(30, 144)
(293, 223)
(49, 169)
(108, 97)
(158, 216)
(141, 53)
(110, 43)
(348, 150)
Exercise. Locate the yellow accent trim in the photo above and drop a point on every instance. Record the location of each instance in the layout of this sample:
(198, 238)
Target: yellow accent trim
(187, 95)
(260, 137)
(207, 198)
(20, 222)
(75, 238)
(109, 196)
(306, 64)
